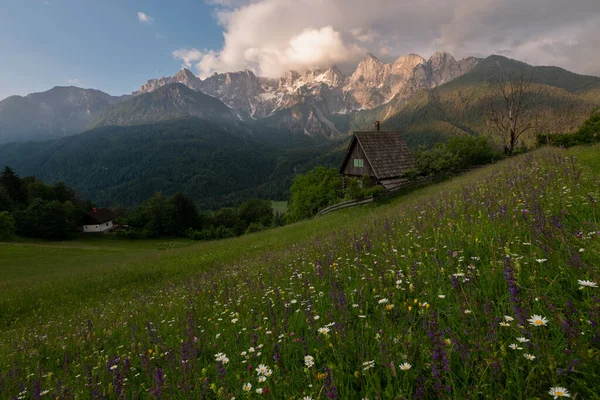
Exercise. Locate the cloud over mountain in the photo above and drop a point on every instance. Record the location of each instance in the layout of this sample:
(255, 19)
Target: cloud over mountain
(270, 36)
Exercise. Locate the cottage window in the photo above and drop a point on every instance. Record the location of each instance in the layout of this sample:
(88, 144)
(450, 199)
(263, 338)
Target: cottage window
(359, 163)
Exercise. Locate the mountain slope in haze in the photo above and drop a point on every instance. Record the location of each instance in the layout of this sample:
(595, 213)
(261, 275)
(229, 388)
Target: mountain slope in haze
(174, 100)
(126, 165)
(458, 106)
(58, 112)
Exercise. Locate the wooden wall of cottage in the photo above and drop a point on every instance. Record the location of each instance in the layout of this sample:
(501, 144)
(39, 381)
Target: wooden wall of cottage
(349, 169)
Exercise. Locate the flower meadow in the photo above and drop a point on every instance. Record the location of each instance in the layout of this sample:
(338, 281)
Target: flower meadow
(483, 289)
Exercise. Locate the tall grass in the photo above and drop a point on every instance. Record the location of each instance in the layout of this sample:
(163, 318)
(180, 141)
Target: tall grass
(435, 296)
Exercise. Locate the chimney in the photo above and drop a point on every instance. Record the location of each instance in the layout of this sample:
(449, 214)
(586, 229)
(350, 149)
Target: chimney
(377, 125)
(94, 210)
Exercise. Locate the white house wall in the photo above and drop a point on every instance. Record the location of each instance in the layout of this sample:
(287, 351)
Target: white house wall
(99, 227)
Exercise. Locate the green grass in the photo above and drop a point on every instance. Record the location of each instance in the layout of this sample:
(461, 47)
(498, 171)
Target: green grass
(425, 279)
(280, 206)
(29, 261)
(38, 278)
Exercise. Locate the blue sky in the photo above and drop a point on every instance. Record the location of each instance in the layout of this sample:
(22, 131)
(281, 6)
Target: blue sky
(100, 44)
(103, 44)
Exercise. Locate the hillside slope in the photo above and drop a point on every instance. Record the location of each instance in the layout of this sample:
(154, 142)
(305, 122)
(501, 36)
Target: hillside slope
(214, 164)
(56, 113)
(563, 101)
(486, 278)
(171, 101)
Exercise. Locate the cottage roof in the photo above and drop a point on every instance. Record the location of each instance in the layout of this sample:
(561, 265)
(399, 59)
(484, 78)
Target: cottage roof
(98, 216)
(386, 152)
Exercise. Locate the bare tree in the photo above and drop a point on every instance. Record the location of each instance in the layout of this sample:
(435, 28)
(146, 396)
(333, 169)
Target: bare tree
(510, 109)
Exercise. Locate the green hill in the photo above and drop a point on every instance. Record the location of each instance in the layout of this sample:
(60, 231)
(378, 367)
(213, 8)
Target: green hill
(562, 99)
(480, 287)
(214, 164)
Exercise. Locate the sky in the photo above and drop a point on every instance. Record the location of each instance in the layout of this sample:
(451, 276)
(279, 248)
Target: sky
(116, 45)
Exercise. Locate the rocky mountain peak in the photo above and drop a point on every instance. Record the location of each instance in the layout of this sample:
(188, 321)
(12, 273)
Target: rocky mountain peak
(185, 73)
(443, 68)
(332, 77)
(409, 61)
(370, 72)
(441, 60)
(288, 79)
(373, 83)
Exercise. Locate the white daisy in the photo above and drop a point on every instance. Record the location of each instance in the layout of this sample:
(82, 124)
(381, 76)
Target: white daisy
(405, 366)
(247, 387)
(538, 320)
(309, 361)
(324, 330)
(261, 369)
(522, 340)
(558, 391)
(587, 283)
(528, 356)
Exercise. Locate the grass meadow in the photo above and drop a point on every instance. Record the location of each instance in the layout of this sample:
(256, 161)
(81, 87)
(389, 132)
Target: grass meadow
(280, 206)
(483, 286)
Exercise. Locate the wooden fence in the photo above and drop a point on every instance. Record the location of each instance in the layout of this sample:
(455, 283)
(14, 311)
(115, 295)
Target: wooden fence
(421, 181)
(418, 182)
(344, 204)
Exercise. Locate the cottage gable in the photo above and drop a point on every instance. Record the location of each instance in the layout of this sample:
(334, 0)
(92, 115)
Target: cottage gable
(379, 155)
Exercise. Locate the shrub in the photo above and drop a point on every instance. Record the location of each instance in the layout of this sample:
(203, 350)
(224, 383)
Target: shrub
(314, 191)
(458, 153)
(436, 160)
(44, 219)
(588, 133)
(7, 225)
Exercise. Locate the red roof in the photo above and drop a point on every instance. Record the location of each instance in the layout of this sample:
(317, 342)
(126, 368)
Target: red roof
(100, 216)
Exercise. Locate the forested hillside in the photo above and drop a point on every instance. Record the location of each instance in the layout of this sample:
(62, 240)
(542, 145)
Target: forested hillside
(126, 165)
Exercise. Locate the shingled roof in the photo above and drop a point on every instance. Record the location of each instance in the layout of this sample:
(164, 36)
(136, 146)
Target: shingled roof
(98, 216)
(386, 152)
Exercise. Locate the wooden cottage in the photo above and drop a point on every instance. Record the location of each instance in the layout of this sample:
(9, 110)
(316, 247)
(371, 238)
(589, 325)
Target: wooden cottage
(98, 220)
(381, 156)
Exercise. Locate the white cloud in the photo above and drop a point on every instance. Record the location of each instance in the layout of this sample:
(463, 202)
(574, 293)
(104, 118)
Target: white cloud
(145, 18)
(73, 81)
(270, 36)
(159, 36)
(188, 56)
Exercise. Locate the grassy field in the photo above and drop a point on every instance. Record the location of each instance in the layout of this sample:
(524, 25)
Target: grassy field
(430, 296)
(280, 206)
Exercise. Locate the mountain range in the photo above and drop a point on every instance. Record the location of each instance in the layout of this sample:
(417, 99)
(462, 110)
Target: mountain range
(310, 103)
(287, 124)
